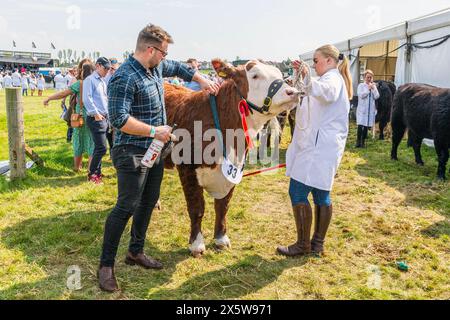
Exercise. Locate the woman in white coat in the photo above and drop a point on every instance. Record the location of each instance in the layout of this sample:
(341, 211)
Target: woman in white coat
(317, 147)
(366, 111)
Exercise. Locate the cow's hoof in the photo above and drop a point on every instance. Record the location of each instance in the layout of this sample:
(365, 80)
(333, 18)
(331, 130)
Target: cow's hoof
(197, 255)
(223, 243)
(198, 247)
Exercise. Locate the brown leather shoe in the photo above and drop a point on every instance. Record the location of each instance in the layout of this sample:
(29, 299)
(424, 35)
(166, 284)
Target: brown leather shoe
(107, 280)
(142, 260)
(303, 221)
(323, 217)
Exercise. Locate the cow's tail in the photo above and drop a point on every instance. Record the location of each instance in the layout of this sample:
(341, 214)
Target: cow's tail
(397, 122)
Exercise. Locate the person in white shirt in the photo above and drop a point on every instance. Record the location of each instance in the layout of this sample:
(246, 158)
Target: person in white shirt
(1, 81)
(33, 84)
(317, 147)
(60, 82)
(69, 79)
(40, 84)
(24, 84)
(366, 111)
(8, 80)
(16, 79)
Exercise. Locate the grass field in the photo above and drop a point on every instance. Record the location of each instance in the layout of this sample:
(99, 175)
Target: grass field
(385, 212)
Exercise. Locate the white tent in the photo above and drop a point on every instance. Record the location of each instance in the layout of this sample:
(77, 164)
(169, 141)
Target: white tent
(415, 62)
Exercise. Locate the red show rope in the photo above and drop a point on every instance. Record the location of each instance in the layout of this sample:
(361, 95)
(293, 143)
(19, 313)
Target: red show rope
(265, 170)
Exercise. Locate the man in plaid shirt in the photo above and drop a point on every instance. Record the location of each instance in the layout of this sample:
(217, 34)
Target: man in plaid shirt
(137, 112)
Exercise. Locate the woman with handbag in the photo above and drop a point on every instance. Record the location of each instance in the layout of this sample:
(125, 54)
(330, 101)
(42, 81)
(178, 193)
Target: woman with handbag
(81, 140)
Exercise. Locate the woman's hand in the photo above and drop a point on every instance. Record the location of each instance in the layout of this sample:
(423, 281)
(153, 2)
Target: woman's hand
(296, 64)
(46, 101)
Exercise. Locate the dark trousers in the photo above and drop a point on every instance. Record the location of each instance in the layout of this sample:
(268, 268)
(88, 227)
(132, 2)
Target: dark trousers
(138, 192)
(69, 134)
(361, 136)
(99, 130)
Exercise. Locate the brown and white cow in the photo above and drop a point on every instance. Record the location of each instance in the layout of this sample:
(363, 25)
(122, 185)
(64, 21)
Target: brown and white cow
(184, 107)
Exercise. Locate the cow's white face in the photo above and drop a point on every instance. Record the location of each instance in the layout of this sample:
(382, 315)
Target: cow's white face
(260, 77)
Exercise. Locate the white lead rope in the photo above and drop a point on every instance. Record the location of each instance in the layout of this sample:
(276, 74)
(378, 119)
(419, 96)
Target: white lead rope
(303, 85)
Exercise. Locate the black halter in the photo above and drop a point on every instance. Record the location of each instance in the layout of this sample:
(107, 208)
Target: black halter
(275, 86)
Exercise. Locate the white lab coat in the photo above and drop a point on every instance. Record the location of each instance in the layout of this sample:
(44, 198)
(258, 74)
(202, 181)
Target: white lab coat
(318, 144)
(366, 111)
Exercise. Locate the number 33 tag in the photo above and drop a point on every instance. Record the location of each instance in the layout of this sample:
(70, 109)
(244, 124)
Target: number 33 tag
(232, 173)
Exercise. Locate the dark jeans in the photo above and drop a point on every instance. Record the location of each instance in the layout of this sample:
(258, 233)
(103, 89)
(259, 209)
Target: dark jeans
(138, 192)
(299, 194)
(99, 130)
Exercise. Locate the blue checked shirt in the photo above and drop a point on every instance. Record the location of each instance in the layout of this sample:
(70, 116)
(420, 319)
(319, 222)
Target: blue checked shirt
(137, 92)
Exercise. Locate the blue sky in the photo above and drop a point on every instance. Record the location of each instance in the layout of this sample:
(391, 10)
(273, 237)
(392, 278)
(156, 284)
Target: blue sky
(267, 29)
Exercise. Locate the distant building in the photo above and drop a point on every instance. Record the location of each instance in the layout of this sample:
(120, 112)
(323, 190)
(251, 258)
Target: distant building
(29, 60)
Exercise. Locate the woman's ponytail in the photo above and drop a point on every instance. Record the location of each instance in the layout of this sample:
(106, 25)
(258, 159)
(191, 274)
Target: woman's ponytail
(344, 69)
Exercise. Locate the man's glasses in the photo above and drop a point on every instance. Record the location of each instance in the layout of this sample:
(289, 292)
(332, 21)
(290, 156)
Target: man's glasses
(164, 53)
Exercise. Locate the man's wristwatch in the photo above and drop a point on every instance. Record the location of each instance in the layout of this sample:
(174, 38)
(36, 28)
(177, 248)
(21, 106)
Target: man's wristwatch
(152, 132)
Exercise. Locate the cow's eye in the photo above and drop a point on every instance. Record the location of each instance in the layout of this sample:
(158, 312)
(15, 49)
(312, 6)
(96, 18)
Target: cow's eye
(255, 76)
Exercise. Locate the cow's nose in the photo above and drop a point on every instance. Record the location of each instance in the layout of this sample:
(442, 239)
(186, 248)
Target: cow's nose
(292, 92)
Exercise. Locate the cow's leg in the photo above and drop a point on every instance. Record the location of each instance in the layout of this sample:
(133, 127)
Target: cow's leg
(442, 153)
(221, 207)
(193, 193)
(398, 130)
(382, 126)
(416, 144)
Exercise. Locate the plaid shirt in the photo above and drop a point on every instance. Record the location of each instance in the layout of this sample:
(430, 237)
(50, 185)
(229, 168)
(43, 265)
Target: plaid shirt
(138, 92)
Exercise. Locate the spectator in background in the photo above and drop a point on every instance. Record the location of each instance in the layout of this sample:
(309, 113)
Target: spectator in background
(69, 78)
(193, 85)
(33, 84)
(60, 82)
(1, 81)
(40, 84)
(82, 140)
(366, 110)
(95, 100)
(24, 84)
(114, 66)
(16, 79)
(7, 81)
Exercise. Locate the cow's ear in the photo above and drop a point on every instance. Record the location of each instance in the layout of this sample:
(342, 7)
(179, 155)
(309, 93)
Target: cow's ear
(223, 69)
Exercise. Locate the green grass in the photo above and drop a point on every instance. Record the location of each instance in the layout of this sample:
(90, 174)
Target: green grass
(385, 212)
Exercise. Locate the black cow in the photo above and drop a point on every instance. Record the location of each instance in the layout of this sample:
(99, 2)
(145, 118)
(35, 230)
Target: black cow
(384, 104)
(425, 111)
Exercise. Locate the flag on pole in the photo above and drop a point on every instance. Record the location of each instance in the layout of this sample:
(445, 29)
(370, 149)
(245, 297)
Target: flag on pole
(14, 44)
(33, 45)
(53, 46)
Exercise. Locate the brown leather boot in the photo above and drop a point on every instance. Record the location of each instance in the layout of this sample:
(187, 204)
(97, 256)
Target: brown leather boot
(107, 280)
(303, 221)
(142, 260)
(322, 215)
